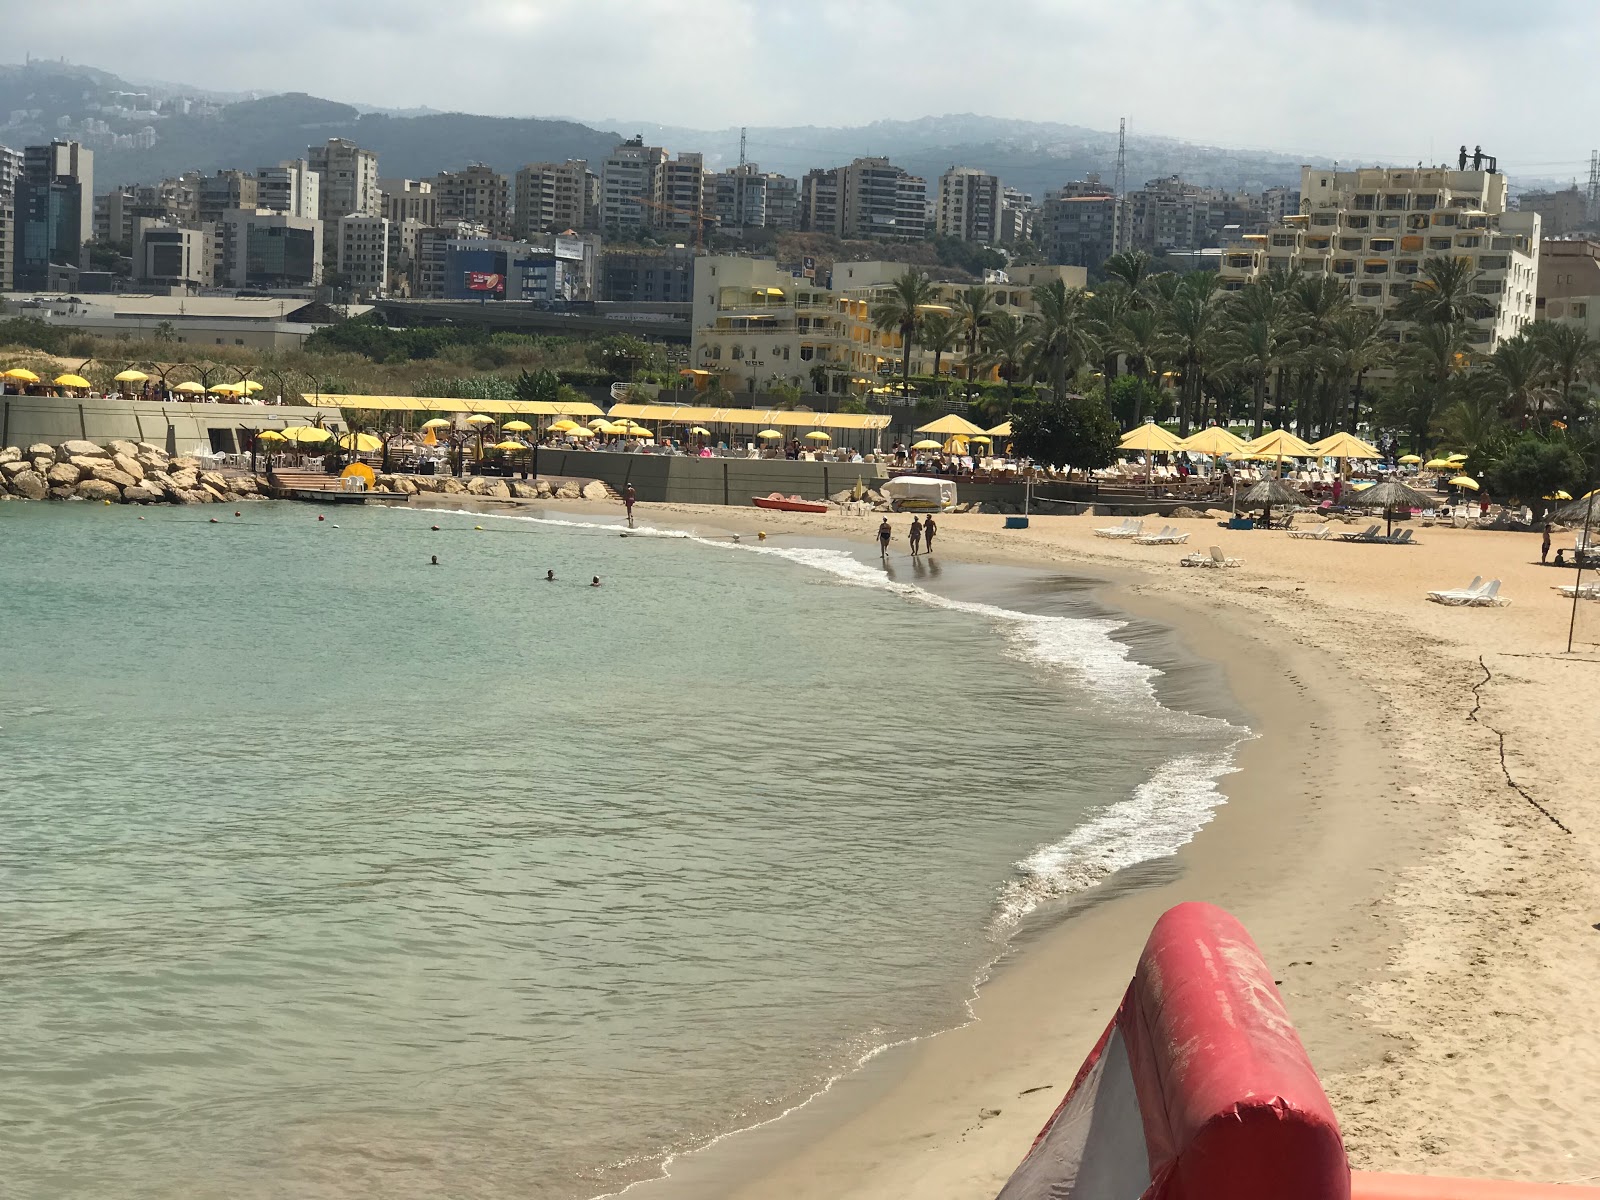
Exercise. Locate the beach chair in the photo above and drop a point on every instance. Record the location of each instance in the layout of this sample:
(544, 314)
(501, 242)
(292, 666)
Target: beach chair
(1216, 558)
(1320, 534)
(1464, 595)
(1588, 591)
(1169, 536)
(1128, 529)
(1369, 534)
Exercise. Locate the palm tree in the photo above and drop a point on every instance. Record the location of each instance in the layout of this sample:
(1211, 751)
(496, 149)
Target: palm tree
(1255, 349)
(1318, 302)
(1062, 337)
(1433, 376)
(901, 309)
(1356, 345)
(1106, 310)
(973, 308)
(1573, 355)
(1129, 267)
(1142, 341)
(1444, 294)
(1519, 370)
(1193, 320)
(1008, 346)
(938, 334)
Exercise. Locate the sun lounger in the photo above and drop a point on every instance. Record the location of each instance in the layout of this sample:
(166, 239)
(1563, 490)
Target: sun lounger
(1216, 558)
(1479, 595)
(1403, 538)
(1588, 591)
(1169, 536)
(1369, 534)
(1320, 534)
(1128, 529)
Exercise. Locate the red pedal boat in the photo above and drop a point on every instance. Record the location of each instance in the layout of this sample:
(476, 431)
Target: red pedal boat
(789, 503)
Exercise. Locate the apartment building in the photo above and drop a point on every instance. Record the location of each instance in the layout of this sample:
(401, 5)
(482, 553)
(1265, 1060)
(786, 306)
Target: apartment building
(783, 202)
(479, 194)
(870, 199)
(553, 197)
(170, 257)
(1560, 213)
(224, 191)
(1079, 225)
(631, 184)
(683, 195)
(10, 169)
(54, 212)
(429, 276)
(1168, 214)
(759, 321)
(647, 276)
(347, 180)
(1569, 283)
(363, 260)
(1017, 217)
(739, 197)
(1375, 228)
(291, 187)
(268, 250)
(969, 205)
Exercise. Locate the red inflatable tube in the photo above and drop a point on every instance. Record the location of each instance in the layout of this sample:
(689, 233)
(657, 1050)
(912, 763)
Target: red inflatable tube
(1365, 1186)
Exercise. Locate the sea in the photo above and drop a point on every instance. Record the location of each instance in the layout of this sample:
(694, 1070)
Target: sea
(328, 871)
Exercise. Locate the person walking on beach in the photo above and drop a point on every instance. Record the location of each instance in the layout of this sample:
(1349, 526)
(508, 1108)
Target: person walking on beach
(884, 535)
(916, 535)
(928, 530)
(1544, 545)
(628, 498)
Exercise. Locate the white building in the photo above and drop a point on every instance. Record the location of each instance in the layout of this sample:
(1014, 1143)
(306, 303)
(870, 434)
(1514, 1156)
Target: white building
(291, 187)
(552, 197)
(268, 250)
(1375, 228)
(364, 254)
(347, 179)
(740, 197)
(171, 257)
(968, 206)
(631, 173)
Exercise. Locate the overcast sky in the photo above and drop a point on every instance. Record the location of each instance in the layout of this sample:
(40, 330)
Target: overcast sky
(1396, 79)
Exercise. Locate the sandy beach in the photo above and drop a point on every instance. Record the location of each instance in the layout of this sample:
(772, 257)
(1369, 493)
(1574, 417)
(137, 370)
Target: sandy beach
(1411, 839)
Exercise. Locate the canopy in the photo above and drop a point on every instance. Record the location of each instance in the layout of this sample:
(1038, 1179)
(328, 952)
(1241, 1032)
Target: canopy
(306, 435)
(517, 427)
(1001, 430)
(131, 376)
(77, 381)
(22, 374)
(1344, 445)
(1411, 460)
(436, 423)
(1389, 494)
(1465, 481)
(816, 435)
(1151, 437)
(682, 414)
(450, 404)
(950, 423)
(1563, 494)
(1271, 493)
(1214, 441)
(927, 444)
(190, 387)
(1280, 443)
(479, 419)
(364, 442)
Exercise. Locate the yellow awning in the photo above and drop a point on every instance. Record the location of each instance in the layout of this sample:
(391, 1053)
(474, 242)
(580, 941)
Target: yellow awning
(686, 414)
(532, 408)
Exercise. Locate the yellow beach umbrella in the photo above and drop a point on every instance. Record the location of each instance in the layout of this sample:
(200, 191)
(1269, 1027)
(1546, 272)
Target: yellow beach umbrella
(700, 431)
(816, 435)
(948, 424)
(578, 431)
(225, 389)
(131, 376)
(638, 431)
(769, 434)
(364, 442)
(77, 381)
(189, 387)
(270, 435)
(1360, 487)
(1001, 430)
(609, 428)
(563, 425)
(979, 440)
(1214, 441)
(927, 444)
(517, 427)
(508, 446)
(1439, 464)
(1410, 460)
(22, 375)
(360, 471)
(1280, 443)
(436, 423)
(594, 421)
(1563, 494)
(307, 435)
(1344, 445)
(251, 386)
(479, 420)
(1150, 437)
(1455, 458)
(1465, 481)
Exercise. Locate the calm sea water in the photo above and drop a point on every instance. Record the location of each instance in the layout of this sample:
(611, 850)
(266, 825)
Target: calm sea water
(329, 873)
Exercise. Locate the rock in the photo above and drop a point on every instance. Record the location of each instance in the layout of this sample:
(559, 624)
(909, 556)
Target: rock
(10, 454)
(231, 497)
(197, 496)
(10, 470)
(1182, 511)
(874, 496)
(213, 480)
(63, 475)
(405, 485)
(523, 490)
(128, 465)
(125, 449)
(245, 485)
(481, 485)
(43, 464)
(150, 462)
(100, 489)
(75, 446)
(107, 473)
(139, 494)
(46, 450)
(545, 489)
(183, 463)
(451, 486)
(153, 450)
(185, 480)
(64, 493)
(29, 484)
(215, 493)
(86, 462)
(596, 491)
(568, 491)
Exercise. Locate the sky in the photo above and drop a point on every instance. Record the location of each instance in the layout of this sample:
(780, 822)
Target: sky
(1397, 80)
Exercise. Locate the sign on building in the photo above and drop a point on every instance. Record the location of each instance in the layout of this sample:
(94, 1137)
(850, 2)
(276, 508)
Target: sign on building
(571, 248)
(483, 281)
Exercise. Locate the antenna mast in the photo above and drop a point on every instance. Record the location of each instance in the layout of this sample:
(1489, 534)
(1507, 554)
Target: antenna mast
(1592, 208)
(742, 132)
(1120, 187)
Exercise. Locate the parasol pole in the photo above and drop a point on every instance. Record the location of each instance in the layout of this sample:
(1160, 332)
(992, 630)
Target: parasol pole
(1577, 584)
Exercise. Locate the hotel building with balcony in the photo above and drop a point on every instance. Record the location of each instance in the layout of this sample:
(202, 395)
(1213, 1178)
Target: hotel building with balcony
(1375, 228)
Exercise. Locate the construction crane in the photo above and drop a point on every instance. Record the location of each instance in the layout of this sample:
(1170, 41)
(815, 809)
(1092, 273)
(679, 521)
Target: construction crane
(701, 218)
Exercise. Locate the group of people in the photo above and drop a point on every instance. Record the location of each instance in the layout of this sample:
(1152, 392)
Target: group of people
(921, 535)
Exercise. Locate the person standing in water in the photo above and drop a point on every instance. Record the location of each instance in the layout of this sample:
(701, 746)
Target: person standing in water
(916, 535)
(628, 498)
(884, 535)
(928, 530)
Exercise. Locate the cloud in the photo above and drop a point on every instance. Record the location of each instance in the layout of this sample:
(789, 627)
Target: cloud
(1368, 78)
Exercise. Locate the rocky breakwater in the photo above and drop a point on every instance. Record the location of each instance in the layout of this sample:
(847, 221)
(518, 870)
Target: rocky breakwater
(493, 489)
(116, 473)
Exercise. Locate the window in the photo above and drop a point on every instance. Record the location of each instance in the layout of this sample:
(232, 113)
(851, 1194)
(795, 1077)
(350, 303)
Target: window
(1383, 245)
(1394, 200)
(1425, 201)
(1399, 289)
(1469, 241)
(1283, 239)
(1444, 218)
(1350, 243)
(1406, 266)
(1580, 308)
(1366, 200)
(1493, 262)
(1438, 243)
(1389, 222)
(738, 353)
(1357, 222)
(1344, 266)
(1370, 289)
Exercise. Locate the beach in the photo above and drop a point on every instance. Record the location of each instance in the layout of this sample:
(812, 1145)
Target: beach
(1411, 839)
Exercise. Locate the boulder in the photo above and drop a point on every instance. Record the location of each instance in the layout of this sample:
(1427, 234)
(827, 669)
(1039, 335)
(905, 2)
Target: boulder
(63, 475)
(245, 485)
(523, 490)
(198, 496)
(546, 489)
(139, 494)
(10, 454)
(128, 465)
(406, 485)
(46, 450)
(10, 470)
(216, 493)
(30, 485)
(213, 480)
(107, 473)
(153, 450)
(183, 463)
(86, 462)
(43, 464)
(151, 462)
(568, 491)
(481, 485)
(184, 480)
(126, 449)
(64, 493)
(76, 446)
(595, 490)
(451, 486)
(99, 489)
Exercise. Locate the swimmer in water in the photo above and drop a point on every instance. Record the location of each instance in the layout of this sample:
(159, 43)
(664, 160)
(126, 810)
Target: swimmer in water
(595, 582)
(549, 576)
(434, 561)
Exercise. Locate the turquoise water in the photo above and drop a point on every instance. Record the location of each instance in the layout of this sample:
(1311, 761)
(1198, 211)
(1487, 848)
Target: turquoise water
(329, 873)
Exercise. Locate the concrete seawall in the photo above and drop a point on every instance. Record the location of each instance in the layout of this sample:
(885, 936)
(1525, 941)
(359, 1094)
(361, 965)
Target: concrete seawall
(663, 479)
(177, 428)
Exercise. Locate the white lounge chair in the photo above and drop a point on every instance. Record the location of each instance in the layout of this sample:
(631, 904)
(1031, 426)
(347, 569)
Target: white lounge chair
(1477, 593)
(1321, 534)
(1128, 529)
(1588, 591)
(1216, 558)
(1169, 536)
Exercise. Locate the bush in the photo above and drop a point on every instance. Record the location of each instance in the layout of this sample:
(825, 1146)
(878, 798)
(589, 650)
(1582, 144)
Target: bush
(1074, 431)
(1532, 467)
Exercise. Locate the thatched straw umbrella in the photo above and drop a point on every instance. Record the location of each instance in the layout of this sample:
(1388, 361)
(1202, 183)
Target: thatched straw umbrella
(1392, 496)
(1270, 492)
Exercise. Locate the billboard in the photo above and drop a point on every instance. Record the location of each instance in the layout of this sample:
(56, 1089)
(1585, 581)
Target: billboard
(483, 281)
(569, 248)
(808, 267)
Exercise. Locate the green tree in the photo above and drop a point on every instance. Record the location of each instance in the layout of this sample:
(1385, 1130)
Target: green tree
(901, 308)
(1131, 398)
(973, 308)
(1131, 268)
(1062, 332)
(1066, 430)
(1444, 294)
(1519, 371)
(1574, 359)
(1008, 347)
(1532, 467)
(938, 334)
(537, 385)
(1107, 309)
(1193, 321)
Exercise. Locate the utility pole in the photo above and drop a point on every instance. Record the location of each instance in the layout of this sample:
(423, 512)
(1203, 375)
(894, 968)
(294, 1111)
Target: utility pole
(1120, 187)
(742, 132)
(1592, 207)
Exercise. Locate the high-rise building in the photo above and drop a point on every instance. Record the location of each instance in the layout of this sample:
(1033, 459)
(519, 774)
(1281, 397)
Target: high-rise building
(652, 276)
(631, 174)
(10, 169)
(1168, 214)
(783, 202)
(683, 195)
(870, 198)
(347, 180)
(478, 194)
(1017, 216)
(225, 191)
(291, 187)
(169, 256)
(739, 197)
(409, 200)
(553, 197)
(1078, 226)
(269, 250)
(1374, 228)
(364, 254)
(969, 205)
(1560, 212)
(54, 212)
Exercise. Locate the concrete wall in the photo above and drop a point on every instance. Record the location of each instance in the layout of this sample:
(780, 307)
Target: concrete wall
(659, 478)
(178, 428)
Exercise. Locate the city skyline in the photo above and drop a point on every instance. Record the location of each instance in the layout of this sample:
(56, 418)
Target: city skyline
(1282, 77)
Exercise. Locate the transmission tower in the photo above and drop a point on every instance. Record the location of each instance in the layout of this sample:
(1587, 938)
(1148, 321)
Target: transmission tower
(1120, 187)
(1592, 208)
(742, 132)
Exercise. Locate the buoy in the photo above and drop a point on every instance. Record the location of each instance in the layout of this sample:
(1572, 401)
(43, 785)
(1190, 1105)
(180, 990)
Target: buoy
(320, 517)
(213, 520)
(761, 535)
(477, 526)
(236, 512)
(141, 518)
(436, 529)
